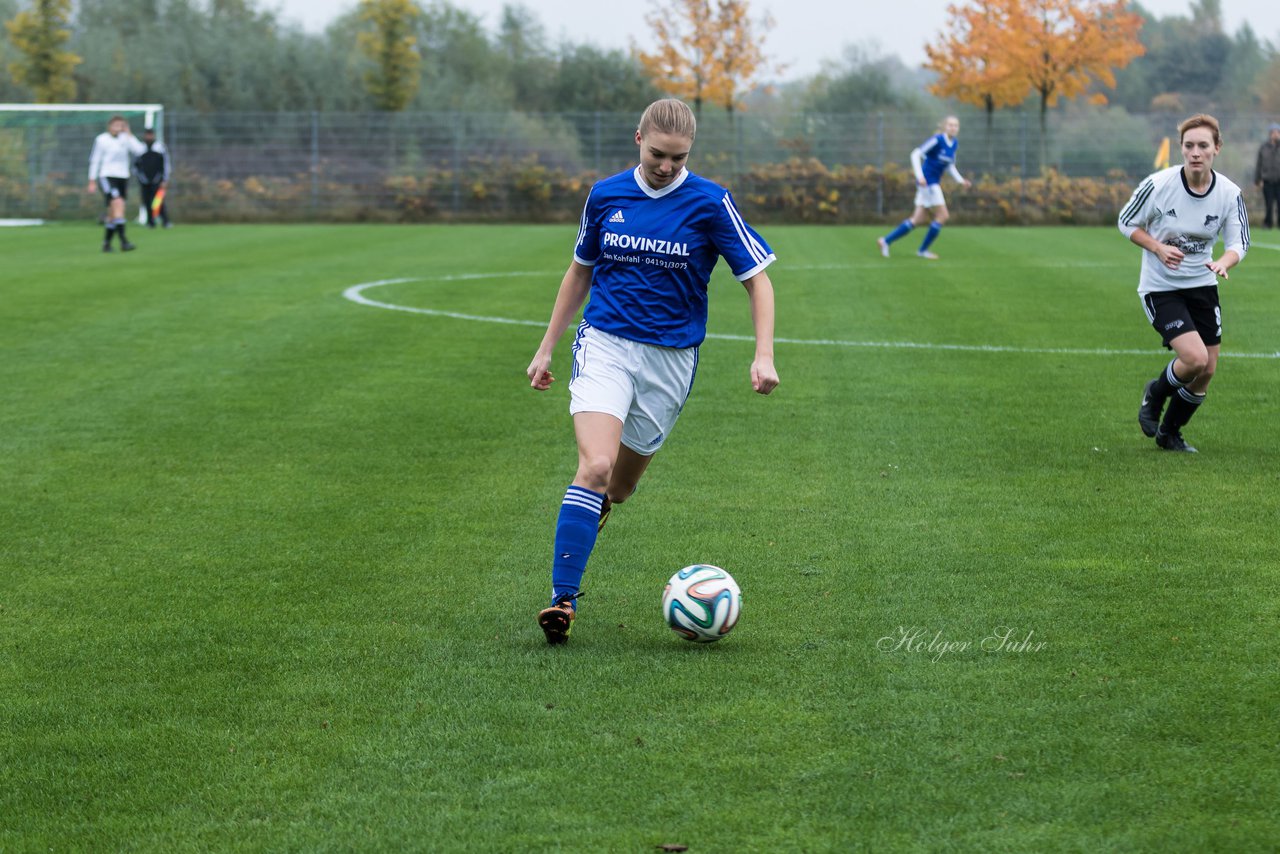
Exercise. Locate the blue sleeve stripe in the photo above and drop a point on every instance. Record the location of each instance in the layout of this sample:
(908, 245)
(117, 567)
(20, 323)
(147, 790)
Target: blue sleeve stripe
(753, 247)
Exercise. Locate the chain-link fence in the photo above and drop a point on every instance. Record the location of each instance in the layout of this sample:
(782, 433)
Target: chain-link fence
(537, 167)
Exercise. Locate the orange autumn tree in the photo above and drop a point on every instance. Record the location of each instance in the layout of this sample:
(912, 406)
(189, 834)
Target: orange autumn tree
(705, 52)
(1061, 48)
(997, 52)
(970, 60)
(739, 58)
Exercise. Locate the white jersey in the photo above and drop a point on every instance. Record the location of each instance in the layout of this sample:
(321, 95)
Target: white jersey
(1164, 207)
(112, 156)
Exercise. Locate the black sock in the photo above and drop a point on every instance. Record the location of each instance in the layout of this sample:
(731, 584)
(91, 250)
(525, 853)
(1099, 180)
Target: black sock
(120, 230)
(106, 237)
(1182, 406)
(1167, 383)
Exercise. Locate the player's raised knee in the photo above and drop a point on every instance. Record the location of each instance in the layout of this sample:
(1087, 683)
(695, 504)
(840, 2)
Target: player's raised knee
(594, 472)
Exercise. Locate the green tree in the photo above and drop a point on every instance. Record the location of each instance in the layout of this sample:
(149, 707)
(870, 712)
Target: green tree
(864, 81)
(9, 90)
(1192, 64)
(391, 42)
(39, 34)
(1245, 63)
(461, 70)
(531, 66)
(591, 80)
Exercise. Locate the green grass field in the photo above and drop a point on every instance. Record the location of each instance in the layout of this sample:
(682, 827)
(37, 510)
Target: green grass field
(270, 558)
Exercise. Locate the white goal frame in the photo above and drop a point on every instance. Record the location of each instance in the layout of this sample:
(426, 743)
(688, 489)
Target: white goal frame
(153, 119)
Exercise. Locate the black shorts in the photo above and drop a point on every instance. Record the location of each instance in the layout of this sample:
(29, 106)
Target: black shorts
(1174, 313)
(114, 188)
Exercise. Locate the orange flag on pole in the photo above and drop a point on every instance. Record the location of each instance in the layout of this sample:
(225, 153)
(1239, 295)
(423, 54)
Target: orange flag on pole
(1162, 155)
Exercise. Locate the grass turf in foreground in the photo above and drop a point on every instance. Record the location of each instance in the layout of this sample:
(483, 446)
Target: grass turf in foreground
(271, 558)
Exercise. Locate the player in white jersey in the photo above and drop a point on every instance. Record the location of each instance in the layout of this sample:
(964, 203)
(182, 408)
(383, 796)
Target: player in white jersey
(935, 156)
(648, 241)
(1176, 215)
(110, 164)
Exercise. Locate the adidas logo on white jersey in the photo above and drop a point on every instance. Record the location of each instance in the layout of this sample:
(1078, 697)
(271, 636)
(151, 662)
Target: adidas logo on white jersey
(617, 217)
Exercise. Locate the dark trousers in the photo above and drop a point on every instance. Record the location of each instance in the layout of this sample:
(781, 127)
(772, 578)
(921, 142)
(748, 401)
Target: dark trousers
(148, 195)
(1271, 198)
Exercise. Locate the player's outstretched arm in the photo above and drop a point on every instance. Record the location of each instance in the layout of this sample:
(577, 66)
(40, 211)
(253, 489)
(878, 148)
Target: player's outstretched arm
(574, 288)
(1170, 256)
(764, 376)
(1228, 260)
(95, 163)
(1235, 234)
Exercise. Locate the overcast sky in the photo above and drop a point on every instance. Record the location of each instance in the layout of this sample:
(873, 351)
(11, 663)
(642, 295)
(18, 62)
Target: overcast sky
(806, 32)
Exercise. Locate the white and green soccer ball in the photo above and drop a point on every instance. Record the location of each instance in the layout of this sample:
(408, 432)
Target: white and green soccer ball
(701, 603)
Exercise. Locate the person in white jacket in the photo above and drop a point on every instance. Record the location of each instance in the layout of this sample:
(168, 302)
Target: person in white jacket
(1177, 216)
(110, 164)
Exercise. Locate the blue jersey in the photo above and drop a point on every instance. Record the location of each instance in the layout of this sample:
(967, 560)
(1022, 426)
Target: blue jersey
(653, 252)
(939, 155)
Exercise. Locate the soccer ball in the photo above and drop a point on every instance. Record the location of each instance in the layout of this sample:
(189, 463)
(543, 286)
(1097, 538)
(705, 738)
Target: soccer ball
(701, 603)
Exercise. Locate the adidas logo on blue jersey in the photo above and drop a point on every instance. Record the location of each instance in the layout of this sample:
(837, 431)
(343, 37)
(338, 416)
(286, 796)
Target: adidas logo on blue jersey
(617, 217)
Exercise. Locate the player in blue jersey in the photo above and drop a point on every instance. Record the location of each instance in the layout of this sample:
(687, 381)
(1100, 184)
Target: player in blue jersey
(935, 156)
(648, 241)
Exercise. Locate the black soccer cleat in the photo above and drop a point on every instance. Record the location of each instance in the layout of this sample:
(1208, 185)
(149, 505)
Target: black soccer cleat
(1149, 411)
(127, 247)
(556, 622)
(1173, 442)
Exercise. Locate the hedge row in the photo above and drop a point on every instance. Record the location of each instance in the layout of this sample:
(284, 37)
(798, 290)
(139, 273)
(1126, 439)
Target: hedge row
(799, 191)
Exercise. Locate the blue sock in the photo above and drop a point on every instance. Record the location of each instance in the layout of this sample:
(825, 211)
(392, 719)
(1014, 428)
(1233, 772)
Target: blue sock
(575, 538)
(931, 236)
(903, 228)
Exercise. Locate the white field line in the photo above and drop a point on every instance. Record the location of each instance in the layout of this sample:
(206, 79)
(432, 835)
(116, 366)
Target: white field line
(355, 293)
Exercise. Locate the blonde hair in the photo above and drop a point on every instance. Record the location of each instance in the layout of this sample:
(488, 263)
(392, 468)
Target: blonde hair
(668, 115)
(1201, 120)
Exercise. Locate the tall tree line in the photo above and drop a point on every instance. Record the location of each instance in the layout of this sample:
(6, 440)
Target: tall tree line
(237, 55)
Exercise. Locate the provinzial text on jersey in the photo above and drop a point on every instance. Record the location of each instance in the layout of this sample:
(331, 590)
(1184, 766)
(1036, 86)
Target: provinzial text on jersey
(645, 244)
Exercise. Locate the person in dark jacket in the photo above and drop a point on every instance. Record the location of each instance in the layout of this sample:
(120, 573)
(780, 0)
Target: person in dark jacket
(1267, 176)
(151, 168)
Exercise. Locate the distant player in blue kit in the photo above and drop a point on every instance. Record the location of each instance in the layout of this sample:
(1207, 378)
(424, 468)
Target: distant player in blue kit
(648, 241)
(1177, 215)
(936, 155)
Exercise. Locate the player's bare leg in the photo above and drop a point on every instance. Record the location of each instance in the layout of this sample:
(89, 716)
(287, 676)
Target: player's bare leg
(599, 437)
(627, 470)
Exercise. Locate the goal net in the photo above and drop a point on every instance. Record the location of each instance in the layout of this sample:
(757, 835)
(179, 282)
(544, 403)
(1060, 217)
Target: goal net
(44, 157)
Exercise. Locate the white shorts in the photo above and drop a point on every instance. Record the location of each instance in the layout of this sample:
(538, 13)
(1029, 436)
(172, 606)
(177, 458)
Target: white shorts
(929, 196)
(641, 385)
